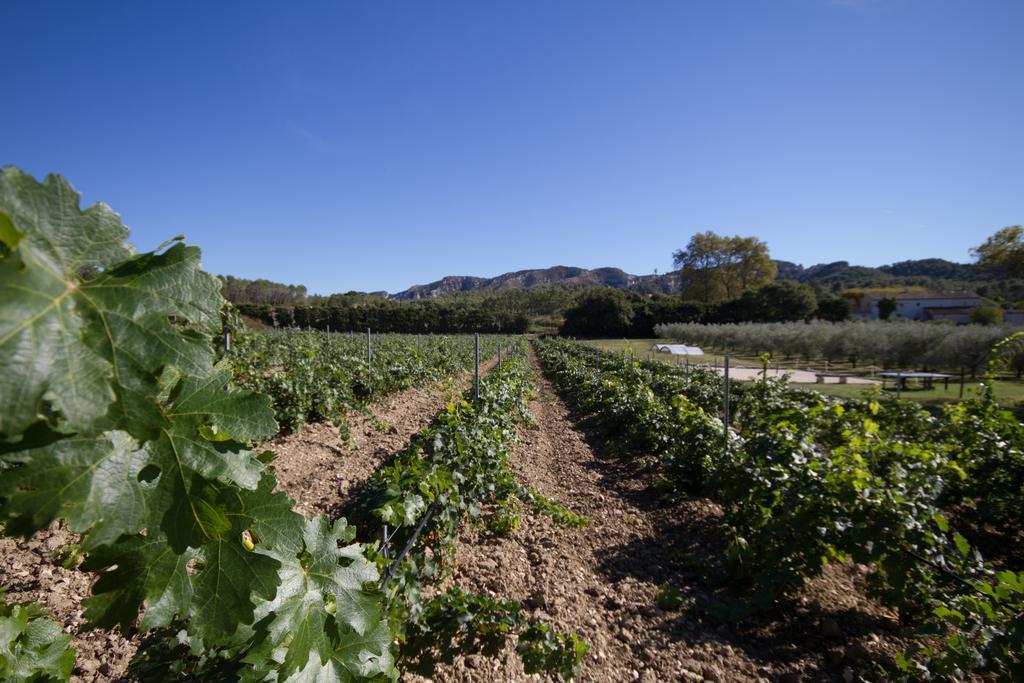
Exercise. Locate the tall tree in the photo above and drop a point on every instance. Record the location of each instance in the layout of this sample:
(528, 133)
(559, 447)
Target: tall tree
(1005, 249)
(603, 312)
(714, 268)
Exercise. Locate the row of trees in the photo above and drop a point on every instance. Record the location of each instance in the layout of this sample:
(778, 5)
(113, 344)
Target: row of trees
(898, 345)
(614, 313)
(240, 290)
(421, 317)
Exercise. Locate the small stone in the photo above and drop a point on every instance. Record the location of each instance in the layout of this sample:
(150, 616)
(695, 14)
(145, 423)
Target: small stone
(856, 652)
(710, 673)
(830, 628)
(848, 675)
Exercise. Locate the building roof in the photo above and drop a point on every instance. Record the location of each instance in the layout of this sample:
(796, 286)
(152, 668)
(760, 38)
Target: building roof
(949, 310)
(924, 296)
(678, 349)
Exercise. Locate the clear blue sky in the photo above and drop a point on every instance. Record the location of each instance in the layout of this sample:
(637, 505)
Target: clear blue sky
(376, 145)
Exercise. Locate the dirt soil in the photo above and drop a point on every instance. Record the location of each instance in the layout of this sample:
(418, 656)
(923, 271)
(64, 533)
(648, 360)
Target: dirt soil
(318, 467)
(602, 581)
(31, 571)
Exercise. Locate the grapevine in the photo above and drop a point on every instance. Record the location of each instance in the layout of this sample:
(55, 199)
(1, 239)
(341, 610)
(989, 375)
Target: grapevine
(117, 419)
(806, 479)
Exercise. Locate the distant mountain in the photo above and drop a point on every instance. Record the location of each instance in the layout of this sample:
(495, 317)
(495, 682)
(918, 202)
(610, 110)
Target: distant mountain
(560, 276)
(930, 273)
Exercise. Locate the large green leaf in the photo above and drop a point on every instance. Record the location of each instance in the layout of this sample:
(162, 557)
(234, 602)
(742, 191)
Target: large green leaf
(357, 658)
(323, 589)
(240, 564)
(114, 418)
(92, 482)
(84, 322)
(207, 423)
(32, 648)
(145, 569)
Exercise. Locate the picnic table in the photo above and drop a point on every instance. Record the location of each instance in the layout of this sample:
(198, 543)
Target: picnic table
(927, 378)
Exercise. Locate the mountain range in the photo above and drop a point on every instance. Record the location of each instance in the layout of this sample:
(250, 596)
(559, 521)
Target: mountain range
(562, 276)
(932, 273)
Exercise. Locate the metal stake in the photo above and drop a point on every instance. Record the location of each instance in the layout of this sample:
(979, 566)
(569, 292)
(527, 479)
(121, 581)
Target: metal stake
(476, 364)
(725, 403)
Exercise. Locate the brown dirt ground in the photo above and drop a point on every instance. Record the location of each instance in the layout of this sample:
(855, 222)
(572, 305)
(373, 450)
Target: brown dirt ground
(602, 581)
(318, 468)
(31, 571)
(314, 466)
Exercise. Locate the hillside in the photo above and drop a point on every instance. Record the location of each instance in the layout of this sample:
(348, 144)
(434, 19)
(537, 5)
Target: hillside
(928, 273)
(554, 284)
(563, 276)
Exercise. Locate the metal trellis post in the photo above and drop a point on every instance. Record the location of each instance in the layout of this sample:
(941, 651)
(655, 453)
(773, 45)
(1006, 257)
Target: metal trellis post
(725, 402)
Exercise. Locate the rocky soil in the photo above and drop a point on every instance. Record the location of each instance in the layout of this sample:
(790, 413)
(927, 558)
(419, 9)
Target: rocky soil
(32, 571)
(318, 467)
(603, 581)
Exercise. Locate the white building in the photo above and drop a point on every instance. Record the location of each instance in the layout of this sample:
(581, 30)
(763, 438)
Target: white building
(955, 306)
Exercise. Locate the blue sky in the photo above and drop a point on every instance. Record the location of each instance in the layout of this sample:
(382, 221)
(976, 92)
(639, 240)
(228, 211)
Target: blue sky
(375, 145)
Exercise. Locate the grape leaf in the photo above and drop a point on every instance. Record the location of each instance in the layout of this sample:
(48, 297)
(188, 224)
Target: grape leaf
(32, 648)
(91, 482)
(356, 658)
(116, 420)
(83, 322)
(145, 569)
(318, 575)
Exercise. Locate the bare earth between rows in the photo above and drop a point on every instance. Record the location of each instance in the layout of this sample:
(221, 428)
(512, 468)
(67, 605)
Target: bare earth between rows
(602, 581)
(318, 468)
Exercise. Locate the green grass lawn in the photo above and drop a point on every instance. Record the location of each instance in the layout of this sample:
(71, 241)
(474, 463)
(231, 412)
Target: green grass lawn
(1008, 391)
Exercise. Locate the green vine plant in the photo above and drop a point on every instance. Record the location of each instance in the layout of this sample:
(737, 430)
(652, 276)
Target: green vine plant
(116, 418)
(458, 468)
(809, 479)
(32, 648)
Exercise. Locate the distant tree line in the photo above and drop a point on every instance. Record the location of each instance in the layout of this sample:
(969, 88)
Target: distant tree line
(721, 279)
(382, 315)
(614, 313)
(239, 290)
(898, 344)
